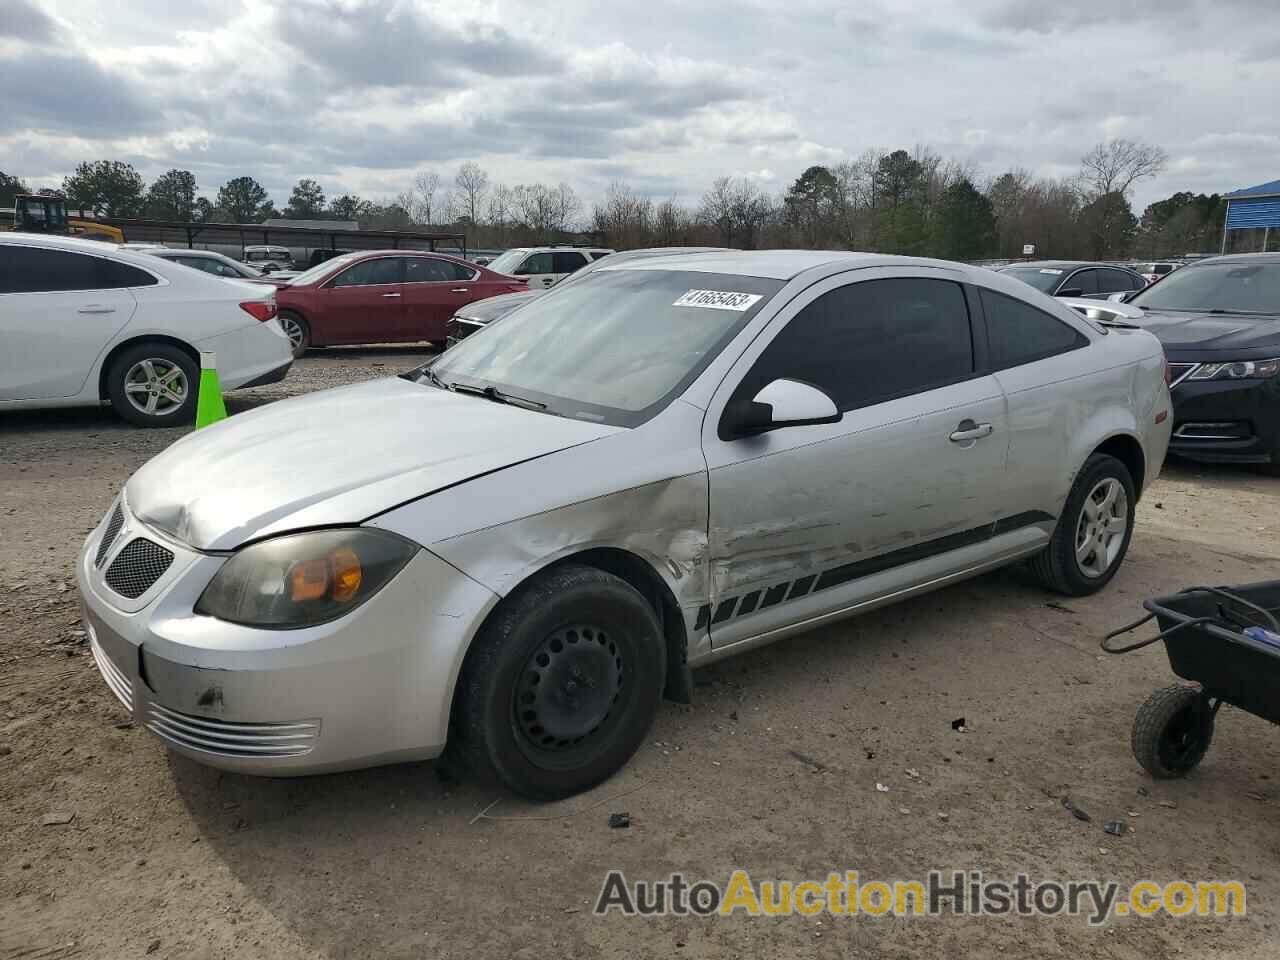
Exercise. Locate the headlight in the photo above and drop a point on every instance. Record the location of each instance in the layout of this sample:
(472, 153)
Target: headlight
(1237, 370)
(304, 579)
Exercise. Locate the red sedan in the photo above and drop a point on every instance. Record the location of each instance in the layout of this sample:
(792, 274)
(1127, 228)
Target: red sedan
(383, 296)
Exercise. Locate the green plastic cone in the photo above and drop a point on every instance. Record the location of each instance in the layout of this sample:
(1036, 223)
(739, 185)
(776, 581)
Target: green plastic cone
(209, 405)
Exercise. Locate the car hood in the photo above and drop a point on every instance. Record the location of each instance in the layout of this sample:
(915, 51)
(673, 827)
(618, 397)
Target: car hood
(492, 308)
(335, 457)
(1215, 333)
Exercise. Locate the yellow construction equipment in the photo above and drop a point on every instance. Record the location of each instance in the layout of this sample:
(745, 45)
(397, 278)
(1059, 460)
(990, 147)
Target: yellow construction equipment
(38, 213)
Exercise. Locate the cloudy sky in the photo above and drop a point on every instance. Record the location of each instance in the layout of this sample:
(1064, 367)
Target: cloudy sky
(359, 94)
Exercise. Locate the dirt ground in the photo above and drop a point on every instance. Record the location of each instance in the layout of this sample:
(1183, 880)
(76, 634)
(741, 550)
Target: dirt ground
(774, 769)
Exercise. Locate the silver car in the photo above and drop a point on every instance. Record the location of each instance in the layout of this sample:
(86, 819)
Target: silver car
(519, 549)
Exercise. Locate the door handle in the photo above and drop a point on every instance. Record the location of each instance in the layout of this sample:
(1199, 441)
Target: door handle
(459, 290)
(97, 308)
(968, 430)
(391, 294)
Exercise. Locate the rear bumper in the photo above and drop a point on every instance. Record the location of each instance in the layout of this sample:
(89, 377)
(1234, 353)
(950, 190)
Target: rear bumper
(247, 354)
(273, 376)
(1227, 421)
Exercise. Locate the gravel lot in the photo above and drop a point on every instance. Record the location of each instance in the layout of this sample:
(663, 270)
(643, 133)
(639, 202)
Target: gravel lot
(773, 768)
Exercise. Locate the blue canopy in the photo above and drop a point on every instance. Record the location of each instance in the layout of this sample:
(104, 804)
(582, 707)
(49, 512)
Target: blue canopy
(1271, 189)
(1253, 208)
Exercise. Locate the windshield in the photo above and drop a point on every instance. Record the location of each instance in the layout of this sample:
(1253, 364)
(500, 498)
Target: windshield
(1230, 286)
(322, 269)
(508, 261)
(1042, 278)
(614, 347)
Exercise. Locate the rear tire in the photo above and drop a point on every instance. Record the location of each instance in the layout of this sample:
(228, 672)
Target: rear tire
(561, 686)
(297, 330)
(154, 385)
(1172, 731)
(1093, 533)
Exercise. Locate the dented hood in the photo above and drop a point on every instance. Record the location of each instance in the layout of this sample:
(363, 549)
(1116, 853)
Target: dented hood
(335, 457)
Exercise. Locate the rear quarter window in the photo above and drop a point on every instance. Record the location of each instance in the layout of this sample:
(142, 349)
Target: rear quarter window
(1019, 333)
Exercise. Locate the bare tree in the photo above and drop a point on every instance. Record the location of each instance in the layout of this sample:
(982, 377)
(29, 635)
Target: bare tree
(717, 208)
(425, 185)
(472, 182)
(1115, 166)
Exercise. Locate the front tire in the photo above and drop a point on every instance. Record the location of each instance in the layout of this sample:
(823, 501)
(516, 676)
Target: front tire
(1093, 533)
(298, 332)
(154, 385)
(561, 686)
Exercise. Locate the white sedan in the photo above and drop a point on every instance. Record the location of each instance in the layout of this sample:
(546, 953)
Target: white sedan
(83, 323)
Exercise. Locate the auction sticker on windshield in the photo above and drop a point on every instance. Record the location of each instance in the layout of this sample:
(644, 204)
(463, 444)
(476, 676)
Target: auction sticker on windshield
(718, 300)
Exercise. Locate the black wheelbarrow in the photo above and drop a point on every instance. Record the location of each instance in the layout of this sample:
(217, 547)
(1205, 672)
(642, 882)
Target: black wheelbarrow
(1226, 642)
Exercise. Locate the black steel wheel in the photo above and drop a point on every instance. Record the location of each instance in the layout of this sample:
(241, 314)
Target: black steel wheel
(561, 685)
(1172, 731)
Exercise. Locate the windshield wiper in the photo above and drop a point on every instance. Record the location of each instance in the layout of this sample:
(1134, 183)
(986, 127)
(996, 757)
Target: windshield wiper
(426, 373)
(1237, 313)
(497, 396)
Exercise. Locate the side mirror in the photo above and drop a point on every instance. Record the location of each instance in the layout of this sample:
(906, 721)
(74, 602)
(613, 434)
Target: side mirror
(783, 403)
(1071, 292)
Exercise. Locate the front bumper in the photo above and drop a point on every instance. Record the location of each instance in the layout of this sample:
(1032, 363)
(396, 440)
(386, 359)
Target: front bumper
(373, 687)
(1227, 421)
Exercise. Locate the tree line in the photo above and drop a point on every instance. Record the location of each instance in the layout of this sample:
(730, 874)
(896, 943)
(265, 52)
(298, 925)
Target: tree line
(908, 202)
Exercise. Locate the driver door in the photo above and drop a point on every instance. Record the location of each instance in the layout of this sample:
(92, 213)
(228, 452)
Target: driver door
(809, 519)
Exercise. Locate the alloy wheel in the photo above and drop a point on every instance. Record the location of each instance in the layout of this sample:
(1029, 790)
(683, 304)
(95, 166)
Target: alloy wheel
(156, 386)
(293, 330)
(1100, 530)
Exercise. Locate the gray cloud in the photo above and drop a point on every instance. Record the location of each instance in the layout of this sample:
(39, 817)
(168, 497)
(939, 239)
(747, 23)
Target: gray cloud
(384, 43)
(25, 21)
(48, 91)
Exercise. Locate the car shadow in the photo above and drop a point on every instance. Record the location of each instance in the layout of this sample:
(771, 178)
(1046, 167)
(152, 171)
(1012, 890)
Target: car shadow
(407, 861)
(398, 350)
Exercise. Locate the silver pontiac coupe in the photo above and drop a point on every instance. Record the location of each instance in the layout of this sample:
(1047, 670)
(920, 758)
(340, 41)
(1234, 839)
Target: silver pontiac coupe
(517, 550)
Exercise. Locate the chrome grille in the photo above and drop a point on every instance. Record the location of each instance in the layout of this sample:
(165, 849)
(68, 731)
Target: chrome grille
(229, 739)
(109, 535)
(112, 674)
(138, 565)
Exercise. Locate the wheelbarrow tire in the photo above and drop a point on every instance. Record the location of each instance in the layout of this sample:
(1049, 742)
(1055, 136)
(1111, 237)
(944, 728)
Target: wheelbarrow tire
(1172, 731)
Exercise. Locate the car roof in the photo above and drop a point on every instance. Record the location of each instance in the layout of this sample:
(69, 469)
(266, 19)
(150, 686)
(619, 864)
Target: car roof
(772, 264)
(168, 252)
(1236, 258)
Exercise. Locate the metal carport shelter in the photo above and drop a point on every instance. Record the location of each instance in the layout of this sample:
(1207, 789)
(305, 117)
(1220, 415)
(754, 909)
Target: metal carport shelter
(188, 234)
(1253, 208)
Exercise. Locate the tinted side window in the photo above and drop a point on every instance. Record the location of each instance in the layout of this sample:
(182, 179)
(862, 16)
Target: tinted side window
(1137, 281)
(33, 270)
(433, 270)
(872, 341)
(366, 272)
(567, 262)
(537, 263)
(1113, 281)
(1019, 333)
(1086, 281)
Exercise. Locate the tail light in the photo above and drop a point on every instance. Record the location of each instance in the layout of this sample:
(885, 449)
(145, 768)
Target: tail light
(262, 310)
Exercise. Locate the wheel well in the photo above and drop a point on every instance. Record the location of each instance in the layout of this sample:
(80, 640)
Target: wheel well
(1129, 452)
(635, 571)
(120, 348)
